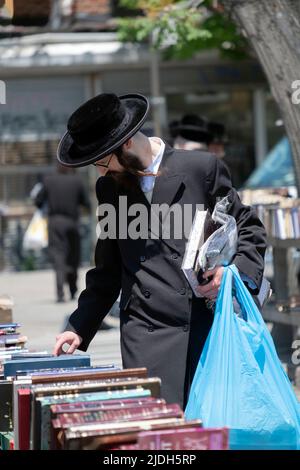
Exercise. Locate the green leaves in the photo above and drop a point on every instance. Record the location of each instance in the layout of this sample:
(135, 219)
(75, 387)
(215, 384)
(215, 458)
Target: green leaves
(179, 30)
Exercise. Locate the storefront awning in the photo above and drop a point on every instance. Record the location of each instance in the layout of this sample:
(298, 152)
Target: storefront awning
(276, 171)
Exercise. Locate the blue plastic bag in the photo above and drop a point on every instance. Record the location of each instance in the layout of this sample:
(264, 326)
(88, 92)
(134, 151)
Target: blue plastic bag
(239, 382)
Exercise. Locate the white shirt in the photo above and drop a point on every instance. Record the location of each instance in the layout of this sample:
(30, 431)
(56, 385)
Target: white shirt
(147, 182)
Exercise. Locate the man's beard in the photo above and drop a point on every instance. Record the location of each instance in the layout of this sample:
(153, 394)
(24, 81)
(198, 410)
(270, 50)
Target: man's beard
(128, 179)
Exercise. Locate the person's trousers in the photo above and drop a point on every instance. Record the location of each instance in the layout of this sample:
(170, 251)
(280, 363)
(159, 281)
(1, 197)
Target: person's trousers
(64, 250)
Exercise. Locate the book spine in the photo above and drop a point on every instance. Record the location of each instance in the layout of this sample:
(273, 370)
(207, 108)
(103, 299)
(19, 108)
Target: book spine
(91, 375)
(24, 419)
(134, 414)
(17, 385)
(45, 415)
(100, 404)
(11, 367)
(184, 439)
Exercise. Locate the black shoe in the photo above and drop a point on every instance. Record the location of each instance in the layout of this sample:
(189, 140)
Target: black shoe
(59, 300)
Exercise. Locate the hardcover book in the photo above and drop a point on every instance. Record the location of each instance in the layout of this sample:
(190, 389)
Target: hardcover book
(24, 419)
(153, 384)
(12, 366)
(41, 419)
(89, 374)
(6, 419)
(184, 439)
(141, 413)
(81, 407)
(96, 437)
(50, 372)
(190, 265)
(146, 411)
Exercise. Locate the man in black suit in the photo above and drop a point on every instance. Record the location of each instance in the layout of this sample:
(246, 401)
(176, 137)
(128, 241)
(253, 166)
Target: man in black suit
(63, 193)
(163, 326)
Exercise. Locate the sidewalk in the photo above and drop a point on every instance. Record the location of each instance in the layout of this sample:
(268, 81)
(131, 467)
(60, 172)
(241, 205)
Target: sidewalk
(42, 318)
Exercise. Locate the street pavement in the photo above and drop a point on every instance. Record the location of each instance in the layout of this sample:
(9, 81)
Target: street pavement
(41, 318)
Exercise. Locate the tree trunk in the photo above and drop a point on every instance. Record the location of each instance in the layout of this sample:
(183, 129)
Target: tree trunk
(273, 29)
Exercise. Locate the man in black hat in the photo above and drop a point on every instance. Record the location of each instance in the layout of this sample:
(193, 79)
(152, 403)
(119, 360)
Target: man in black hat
(191, 133)
(217, 143)
(163, 326)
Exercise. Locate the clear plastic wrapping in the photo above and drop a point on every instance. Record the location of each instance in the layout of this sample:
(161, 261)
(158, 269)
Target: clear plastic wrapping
(221, 246)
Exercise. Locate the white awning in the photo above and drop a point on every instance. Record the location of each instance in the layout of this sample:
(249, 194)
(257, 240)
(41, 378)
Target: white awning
(67, 49)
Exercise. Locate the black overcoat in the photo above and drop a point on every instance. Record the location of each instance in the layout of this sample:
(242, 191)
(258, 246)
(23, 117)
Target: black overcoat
(163, 326)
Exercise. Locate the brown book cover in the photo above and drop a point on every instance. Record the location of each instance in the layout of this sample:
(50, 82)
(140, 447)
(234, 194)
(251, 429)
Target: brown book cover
(100, 436)
(81, 407)
(147, 411)
(91, 375)
(153, 384)
(184, 439)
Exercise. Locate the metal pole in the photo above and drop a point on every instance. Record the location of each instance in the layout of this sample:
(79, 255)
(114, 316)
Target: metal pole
(55, 15)
(157, 100)
(155, 90)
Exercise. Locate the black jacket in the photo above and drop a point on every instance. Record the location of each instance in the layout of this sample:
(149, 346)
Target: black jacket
(63, 193)
(163, 326)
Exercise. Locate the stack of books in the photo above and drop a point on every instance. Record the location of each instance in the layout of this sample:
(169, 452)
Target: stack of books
(281, 221)
(15, 362)
(77, 406)
(280, 215)
(10, 338)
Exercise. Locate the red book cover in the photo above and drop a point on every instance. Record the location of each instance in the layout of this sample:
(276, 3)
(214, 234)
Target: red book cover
(103, 405)
(24, 418)
(184, 439)
(147, 411)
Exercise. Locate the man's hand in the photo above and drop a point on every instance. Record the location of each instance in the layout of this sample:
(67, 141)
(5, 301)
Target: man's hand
(211, 289)
(68, 337)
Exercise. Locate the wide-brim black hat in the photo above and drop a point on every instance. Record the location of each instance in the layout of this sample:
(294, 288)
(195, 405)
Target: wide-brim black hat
(99, 126)
(191, 127)
(218, 132)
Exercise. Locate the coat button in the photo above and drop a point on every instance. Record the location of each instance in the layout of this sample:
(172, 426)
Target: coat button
(174, 255)
(150, 328)
(182, 291)
(142, 259)
(185, 327)
(147, 294)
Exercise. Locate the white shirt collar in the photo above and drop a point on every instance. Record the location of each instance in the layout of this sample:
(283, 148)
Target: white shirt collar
(147, 182)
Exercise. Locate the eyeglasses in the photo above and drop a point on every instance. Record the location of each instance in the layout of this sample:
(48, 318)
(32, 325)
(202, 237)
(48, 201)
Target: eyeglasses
(104, 165)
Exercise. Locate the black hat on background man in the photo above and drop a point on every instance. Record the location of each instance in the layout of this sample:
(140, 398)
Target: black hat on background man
(101, 125)
(218, 132)
(191, 127)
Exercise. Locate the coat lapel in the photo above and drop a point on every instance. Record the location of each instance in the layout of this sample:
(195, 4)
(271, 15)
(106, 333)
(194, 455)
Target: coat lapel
(168, 182)
(167, 186)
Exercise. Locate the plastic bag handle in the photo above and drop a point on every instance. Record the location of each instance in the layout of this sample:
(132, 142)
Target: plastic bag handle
(231, 276)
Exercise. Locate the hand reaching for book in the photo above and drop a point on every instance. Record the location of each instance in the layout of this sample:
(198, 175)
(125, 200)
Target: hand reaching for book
(210, 289)
(67, 337)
